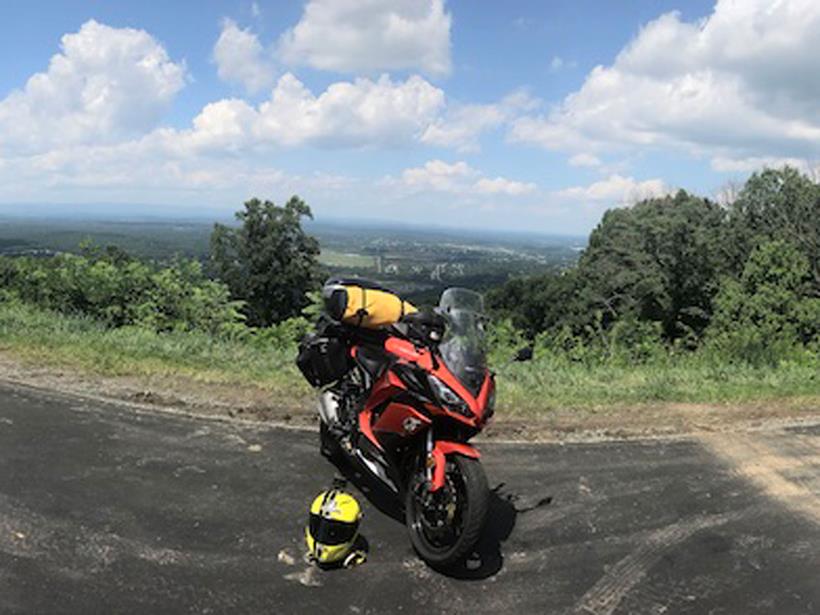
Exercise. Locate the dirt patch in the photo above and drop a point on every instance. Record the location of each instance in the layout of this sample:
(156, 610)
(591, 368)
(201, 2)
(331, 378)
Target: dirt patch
(258, 404)
(656, 421)
(780, 469)
(164, 391)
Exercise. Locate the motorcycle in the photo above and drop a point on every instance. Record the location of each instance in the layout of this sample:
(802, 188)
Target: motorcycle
(403, 402)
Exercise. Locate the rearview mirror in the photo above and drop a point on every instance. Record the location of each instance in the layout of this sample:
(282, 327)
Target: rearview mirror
(523, 354)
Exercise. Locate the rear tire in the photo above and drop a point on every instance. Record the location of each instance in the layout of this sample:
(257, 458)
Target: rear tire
(467, 476)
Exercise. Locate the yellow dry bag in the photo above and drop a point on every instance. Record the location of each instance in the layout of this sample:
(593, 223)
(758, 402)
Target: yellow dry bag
(363, 303)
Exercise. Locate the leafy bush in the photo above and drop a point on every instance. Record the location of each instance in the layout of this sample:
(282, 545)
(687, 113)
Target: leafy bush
(770, 310)
(117, 290)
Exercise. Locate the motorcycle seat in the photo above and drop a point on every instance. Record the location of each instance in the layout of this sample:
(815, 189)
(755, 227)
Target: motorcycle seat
(372, 360)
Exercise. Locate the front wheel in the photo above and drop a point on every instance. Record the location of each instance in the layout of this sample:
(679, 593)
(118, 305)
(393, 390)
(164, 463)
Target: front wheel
(445, 525)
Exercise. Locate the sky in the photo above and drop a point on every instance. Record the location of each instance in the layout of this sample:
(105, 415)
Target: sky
(515, 115)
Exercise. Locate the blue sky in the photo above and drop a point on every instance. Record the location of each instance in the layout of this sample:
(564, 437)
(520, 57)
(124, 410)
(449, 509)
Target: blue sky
(517, 115)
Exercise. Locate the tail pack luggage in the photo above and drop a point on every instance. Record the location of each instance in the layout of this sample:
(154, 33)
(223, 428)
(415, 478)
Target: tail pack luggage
(322, 359)
(363, 303)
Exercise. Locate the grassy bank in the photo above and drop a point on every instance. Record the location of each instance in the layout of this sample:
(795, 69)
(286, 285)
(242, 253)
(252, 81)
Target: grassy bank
(549, 383)
(51, 339)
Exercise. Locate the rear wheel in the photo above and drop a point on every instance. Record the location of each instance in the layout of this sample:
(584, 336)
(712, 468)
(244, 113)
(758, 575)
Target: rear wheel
(445, 525)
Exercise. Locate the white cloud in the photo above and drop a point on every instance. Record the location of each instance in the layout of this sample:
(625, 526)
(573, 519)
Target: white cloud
(106, 84)
(439, 175)
(735, 84)
(501, 185)
(585, 160)
(617, 189)
(355, 36)
(225, 124)
(347, 114)
(557, 64)
(462, 125)
(160, 168)
(89, 128)
(362, 112)
(354, 114)
(747, 165)
(459, 178)
(240, 58)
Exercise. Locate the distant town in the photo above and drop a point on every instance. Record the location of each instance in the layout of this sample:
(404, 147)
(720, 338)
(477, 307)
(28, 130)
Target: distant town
(416, 262)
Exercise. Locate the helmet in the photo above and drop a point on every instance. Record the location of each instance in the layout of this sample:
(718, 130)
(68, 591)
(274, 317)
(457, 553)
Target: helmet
(333, 526)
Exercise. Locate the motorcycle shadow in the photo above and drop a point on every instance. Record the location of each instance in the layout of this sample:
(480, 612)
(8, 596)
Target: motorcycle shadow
(486, 561)
(488, 558)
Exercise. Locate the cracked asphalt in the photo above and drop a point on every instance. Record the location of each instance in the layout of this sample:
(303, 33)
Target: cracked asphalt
(104, 509)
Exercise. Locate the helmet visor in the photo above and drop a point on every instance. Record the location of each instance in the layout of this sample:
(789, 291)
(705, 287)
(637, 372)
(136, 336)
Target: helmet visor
(331, 532)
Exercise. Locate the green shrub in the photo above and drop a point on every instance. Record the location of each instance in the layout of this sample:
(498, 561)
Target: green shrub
(117, 290)
(770, 312)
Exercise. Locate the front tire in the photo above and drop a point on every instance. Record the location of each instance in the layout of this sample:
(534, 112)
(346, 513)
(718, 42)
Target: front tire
(445, 526)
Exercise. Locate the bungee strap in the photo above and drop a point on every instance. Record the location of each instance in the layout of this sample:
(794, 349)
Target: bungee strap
(362, 312)
(355, 558)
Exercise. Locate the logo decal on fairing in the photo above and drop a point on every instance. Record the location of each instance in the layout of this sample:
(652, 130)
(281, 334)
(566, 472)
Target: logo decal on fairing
(411, 424)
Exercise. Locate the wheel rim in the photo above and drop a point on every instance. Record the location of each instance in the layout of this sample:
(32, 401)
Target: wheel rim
(438, 516)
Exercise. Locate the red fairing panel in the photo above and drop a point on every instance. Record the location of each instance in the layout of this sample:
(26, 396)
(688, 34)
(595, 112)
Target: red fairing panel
(484, 396)
(443, 448)
(401, 419)
(407, 351)
(384, 389)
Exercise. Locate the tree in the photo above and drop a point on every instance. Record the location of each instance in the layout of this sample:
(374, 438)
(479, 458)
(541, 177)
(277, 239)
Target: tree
(536, 303)
(268, 261)
(770, 307)
(776, 204)
(657, 261)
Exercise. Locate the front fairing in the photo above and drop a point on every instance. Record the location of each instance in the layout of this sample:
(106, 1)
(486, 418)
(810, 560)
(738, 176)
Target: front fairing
(465, 357)
(421, 362)
(463, 347)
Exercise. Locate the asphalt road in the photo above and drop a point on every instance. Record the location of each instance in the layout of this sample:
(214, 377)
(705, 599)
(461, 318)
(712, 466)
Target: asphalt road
(108, 510)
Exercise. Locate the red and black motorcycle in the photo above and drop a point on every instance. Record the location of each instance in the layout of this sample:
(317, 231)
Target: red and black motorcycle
(403, 402)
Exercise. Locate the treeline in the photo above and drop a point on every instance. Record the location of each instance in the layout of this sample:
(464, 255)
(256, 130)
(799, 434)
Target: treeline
(683, 272)
(673, 274)
(255, 284)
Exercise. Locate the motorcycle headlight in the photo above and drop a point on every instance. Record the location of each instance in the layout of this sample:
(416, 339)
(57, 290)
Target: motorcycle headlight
(449, 398)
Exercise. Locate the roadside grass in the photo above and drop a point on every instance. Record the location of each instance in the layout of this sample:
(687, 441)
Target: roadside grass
(51, 339)
(553, 383)
(537, 388)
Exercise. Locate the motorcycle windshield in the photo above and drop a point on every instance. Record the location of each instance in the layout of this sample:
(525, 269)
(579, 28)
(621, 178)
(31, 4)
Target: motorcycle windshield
(463, 347)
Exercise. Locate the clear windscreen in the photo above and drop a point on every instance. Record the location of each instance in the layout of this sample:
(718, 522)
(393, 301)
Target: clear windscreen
(463, 347)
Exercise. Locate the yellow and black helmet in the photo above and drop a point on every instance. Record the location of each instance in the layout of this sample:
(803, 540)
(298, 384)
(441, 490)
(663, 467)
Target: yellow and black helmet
(333, 527)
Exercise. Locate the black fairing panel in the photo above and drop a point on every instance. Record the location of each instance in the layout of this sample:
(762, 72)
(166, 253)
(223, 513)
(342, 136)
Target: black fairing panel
(372, 361)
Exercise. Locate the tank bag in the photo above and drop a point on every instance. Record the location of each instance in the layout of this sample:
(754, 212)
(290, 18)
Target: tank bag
(362, 306)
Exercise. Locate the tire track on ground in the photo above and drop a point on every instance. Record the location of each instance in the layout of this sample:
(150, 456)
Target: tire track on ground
(605, 596)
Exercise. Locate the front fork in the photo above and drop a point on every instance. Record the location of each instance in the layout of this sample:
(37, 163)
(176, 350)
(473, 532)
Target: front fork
(429, 461)
(435, 462)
